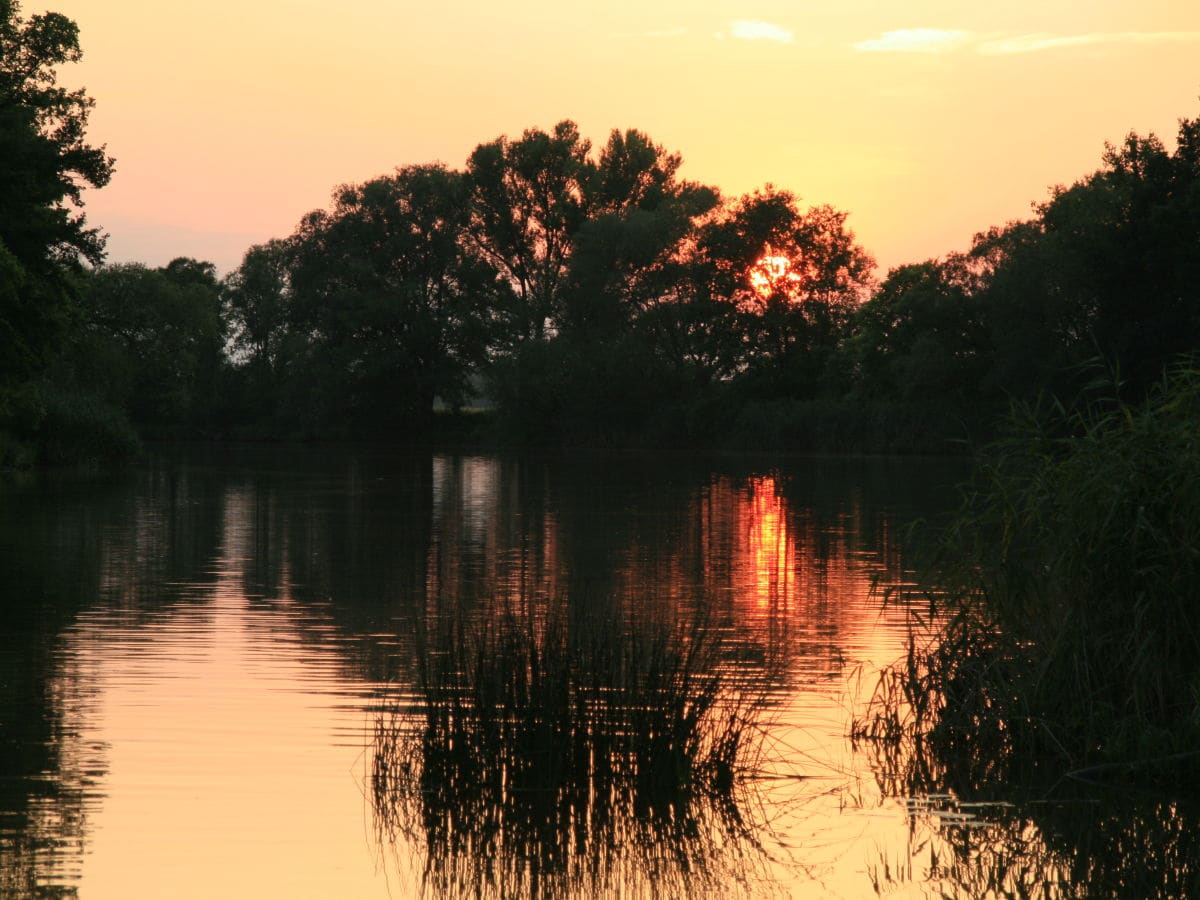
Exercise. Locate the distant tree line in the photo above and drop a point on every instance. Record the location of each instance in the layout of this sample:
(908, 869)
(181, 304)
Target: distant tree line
(583, 294)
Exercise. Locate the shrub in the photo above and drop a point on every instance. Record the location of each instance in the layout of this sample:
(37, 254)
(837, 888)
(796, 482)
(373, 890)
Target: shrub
(43, 424)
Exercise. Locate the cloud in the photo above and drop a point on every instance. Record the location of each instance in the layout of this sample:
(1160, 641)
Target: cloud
(1033, 43)
(915, 40)
(941, 40)
(753, 30)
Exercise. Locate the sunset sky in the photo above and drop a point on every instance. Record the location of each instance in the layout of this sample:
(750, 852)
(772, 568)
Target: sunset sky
(927, 121)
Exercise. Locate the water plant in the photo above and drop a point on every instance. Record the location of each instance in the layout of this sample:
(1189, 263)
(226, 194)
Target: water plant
(570, 750)
(1068, 627)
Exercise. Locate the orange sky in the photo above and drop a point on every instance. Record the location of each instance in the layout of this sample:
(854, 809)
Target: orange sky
(927, 120)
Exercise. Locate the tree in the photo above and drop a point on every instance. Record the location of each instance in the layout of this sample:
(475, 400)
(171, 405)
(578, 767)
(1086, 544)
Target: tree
(1108, 267)
(581, 241)
(152, 343)
(256, 298)
(1124, 248)
(919, 340)
(627, 252)
(391, 309)
(526, 203)
(793, 316)
(47, 163)
(588, 244)
(257, 308)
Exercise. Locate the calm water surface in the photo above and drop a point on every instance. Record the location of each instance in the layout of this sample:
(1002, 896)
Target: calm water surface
(194, 658)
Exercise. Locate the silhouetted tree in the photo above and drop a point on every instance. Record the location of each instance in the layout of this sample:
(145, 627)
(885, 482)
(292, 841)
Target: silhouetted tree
(586, 368)
(256, 304)
(153, 342)
(1106, 269)
(921, 357)
(47, 162)
(526, 203)
(1109, 267)
(919, 338)
(791, 324)
(626, 253)
(391, 310)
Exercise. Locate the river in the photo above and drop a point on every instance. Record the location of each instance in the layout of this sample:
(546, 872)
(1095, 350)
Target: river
(197, 656)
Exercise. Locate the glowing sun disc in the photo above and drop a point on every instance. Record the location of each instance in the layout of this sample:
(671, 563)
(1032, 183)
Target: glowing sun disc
(771, 273)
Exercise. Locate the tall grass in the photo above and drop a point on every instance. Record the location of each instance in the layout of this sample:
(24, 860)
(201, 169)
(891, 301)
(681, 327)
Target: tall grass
(1071, 626)
(574, 753)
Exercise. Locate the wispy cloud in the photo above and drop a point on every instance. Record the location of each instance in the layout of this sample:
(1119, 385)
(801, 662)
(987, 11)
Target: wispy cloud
(754, 30)
(1033, 43)
(942, 40)
(915, 40)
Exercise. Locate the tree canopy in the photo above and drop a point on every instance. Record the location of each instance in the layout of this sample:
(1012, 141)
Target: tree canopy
(47, 164)
(394, 310)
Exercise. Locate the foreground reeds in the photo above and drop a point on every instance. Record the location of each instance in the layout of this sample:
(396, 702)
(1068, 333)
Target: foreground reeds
(570, 752)
(1069, 629)
(1058, 665)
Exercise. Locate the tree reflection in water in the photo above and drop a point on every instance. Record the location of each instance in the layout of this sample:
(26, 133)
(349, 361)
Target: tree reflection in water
(574, 750)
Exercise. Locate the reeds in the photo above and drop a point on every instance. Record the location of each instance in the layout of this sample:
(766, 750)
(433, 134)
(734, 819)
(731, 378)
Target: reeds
(1071, 626)
(569, 752)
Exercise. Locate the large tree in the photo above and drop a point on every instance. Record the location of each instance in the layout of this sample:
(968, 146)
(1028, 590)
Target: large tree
(1105, 272)
(47, 163)
(919, 340)
(582, 240)
(152, 343)
(526, 203)
(795, 276)
(257, 308)
(627, 252)
(256, 299)
(588, 244)
(1109, 267)
(391, 310)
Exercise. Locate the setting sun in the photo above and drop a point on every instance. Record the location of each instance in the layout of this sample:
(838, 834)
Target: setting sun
(772, 273)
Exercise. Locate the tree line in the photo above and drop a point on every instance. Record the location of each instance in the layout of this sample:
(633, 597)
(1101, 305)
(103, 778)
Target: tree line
(584, 294)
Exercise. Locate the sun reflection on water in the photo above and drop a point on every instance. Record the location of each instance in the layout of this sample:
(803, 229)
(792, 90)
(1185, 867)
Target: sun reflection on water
(769, 544)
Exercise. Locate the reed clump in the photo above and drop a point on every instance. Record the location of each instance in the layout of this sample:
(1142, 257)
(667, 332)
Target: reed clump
(1070, 621)
(569, 752)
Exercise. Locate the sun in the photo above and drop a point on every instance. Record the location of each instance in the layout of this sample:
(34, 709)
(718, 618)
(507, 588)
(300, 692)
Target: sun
(772, 273)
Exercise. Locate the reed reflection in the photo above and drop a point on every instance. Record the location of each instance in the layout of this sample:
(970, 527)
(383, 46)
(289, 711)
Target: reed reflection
(572, 747)
(988, 819)
(1072, 844)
